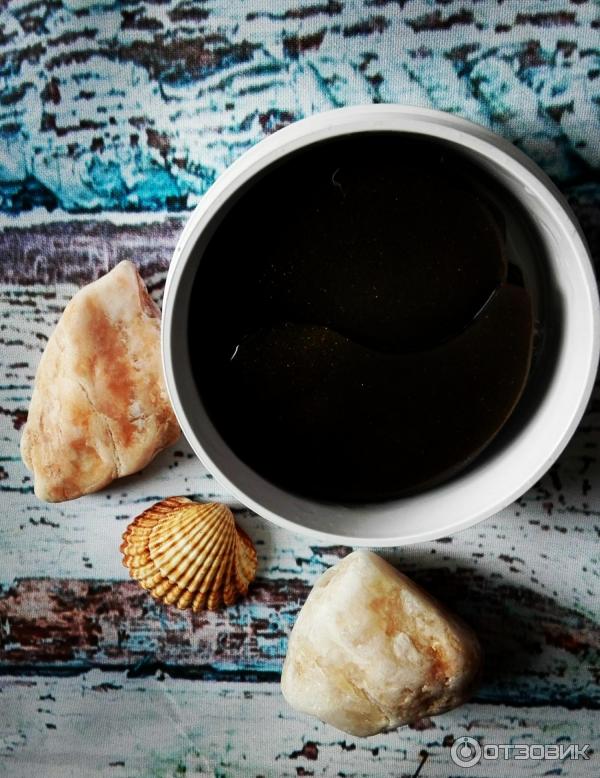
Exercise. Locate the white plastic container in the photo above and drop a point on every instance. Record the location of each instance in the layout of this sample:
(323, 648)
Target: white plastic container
(538, 433)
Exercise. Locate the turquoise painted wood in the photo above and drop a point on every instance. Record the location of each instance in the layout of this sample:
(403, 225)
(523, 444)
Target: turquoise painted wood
(125, 727)
(139, 106)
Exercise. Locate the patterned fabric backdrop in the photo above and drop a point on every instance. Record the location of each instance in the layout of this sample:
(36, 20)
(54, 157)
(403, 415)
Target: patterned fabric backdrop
(115, 118)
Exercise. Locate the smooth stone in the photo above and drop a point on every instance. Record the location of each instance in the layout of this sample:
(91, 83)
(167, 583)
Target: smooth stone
(99, 408)
(371, 651)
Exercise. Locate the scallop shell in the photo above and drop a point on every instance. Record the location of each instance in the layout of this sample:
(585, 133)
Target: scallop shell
(189, 554)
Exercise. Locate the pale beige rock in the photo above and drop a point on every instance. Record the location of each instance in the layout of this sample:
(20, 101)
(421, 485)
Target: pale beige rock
(371, 650)
(99, 408)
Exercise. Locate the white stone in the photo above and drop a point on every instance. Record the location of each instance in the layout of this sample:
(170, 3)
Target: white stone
(371, 650)
(99, 408)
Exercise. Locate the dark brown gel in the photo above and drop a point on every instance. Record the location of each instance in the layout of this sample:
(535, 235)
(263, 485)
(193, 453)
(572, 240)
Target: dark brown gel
(363, 338)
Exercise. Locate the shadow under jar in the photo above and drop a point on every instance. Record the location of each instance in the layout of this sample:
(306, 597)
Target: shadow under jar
(367, 316)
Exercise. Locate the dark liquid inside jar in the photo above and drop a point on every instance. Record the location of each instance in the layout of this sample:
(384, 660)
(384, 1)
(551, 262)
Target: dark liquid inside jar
(360, 324)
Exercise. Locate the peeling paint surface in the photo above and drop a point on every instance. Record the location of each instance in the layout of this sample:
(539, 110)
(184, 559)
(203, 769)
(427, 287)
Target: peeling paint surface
(115, 117)
(160, 728)
(140, 105)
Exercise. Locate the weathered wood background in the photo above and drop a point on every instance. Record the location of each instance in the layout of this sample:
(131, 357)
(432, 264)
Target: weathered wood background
(114, 119)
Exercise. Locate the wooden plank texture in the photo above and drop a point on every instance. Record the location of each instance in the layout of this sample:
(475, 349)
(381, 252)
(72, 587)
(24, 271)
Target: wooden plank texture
(550, 653)
(163, 728)
(139, 106)
(79, 251)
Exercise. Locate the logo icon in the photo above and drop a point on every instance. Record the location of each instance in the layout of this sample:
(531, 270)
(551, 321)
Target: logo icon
(465, 752)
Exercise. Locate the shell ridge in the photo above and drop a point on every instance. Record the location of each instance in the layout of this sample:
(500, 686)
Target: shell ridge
(184, 555)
